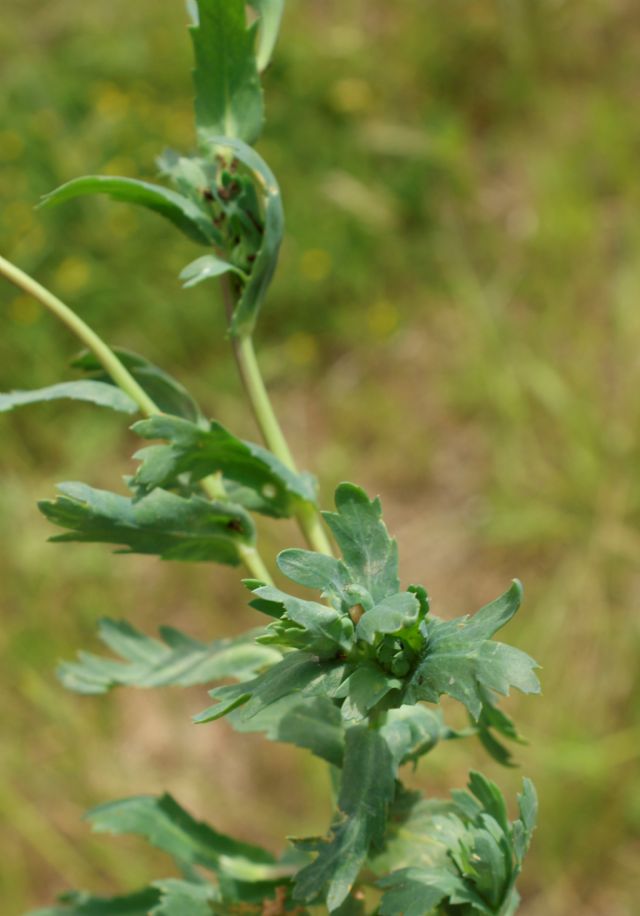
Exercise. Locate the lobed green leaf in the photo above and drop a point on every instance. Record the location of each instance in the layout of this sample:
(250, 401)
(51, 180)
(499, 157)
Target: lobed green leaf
(465, 852)
(179, 898)
(307, 625)
(318, 571)
(415, 891)
(368, 552)
(79, 903)
(366, 686)
(167, 826)
(367, 789)
(299, 673)
(492, 722)
(253, 476)
(313, 723)
(177, 660)
(420, 834)
(413, 731)
(460, 659)
(161, 523)
(93, 392)
(392, 615)
(228, 93)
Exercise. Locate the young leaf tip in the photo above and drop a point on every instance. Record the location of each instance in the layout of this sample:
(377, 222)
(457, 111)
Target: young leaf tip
(253, 584)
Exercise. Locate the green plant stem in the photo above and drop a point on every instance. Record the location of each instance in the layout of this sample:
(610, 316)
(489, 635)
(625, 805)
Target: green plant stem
(213, 486)
(118, 372)
(271, 431)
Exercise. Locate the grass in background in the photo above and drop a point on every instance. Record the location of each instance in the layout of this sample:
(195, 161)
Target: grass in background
(465, 272)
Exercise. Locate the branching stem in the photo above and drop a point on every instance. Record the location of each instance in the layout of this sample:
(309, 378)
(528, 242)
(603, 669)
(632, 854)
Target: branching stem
(212, 485)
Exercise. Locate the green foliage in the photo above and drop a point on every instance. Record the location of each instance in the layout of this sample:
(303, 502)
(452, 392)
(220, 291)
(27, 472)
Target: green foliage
(313, 723)
(166, 392)
(177, 660)
(170, 828)
(494, 721)
(228, 92)
(366, 791)
(162, 523)
(90, 391)
(475, 867)
(344, 676)
(412, 731)
(179, 210)
(462, 662)
(368, 552)
(80, 904)
(253, 476)
(270, 15)
(264, 252)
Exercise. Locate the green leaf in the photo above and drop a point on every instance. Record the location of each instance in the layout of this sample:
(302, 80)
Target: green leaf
(253, 477)
(206, 268)
(365, 687)
(307, 625)
(270, 12)
(486, 859)
(492, 720)
(412, 731)
(420, 834)
(78, 903)
(313, 723)
(182, 212)
(467, 850)
(180, 898)
(391, 615)
(228, 92)
(522, 829)
(460, 659)
(490, 855)
(167, 826)
(177, 661)
(168, 394)
(297, 673)
(351, 907)
(490, 797)
(413, 891)
(254, 291)
(370, 555)
(161, 523)
(495, 615)
(317, 571)
(85, 390)
(367, 789)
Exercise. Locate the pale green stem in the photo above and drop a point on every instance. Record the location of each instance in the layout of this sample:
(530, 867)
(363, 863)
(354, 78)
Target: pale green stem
(307, 515)
(118, 372)
(212, 485)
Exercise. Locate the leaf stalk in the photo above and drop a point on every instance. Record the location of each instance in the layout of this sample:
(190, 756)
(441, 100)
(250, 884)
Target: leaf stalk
(108, 359)
(212, 485)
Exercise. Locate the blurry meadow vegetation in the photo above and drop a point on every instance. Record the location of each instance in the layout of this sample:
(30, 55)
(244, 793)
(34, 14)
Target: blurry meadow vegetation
(455, 325)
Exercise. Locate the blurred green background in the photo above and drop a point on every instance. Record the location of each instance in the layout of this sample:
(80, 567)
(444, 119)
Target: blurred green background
(454, 325)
